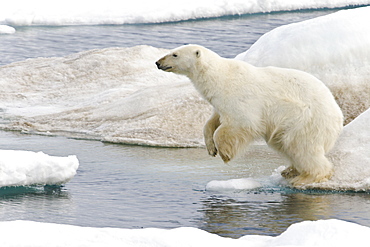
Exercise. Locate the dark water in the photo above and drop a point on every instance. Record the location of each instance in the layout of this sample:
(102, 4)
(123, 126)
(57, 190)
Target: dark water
(138, 187)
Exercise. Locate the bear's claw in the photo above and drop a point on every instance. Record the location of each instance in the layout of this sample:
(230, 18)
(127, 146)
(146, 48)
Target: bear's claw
(226, 158)
(213, 152)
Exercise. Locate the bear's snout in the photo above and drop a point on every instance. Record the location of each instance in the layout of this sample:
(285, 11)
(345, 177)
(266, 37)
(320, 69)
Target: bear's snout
(160, 65)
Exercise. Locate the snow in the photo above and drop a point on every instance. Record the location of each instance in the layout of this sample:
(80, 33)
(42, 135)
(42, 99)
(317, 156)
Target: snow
(233, 184)
(24, 168)
(308, 233)
(335, 48)
(84, 12)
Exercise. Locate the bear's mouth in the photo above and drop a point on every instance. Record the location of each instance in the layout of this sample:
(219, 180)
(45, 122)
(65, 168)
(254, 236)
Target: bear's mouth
(165, 68)
(162, 67)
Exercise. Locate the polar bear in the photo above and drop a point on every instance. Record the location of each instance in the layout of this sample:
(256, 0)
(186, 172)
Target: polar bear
(294, 112)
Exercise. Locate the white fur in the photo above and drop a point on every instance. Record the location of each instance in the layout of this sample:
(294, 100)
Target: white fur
(292, 110)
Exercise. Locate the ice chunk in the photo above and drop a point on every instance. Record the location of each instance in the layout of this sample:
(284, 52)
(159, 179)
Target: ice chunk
(22, 168)
(307, 233)
(233, 184)
(4, 29)
(335, 48)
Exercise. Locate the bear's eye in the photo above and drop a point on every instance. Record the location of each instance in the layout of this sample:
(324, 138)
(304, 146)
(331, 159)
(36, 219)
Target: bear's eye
(174, 55)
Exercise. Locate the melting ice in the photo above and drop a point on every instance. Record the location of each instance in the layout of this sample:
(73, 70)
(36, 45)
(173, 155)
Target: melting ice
(233, 184)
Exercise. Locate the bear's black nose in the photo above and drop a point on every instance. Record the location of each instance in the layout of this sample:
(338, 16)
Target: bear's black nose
(158, 64)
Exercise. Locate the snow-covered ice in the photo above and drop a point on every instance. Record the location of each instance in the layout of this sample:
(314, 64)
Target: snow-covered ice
(24, 168)
(308, 233)
(233, 184)
(83, 12)
(335, 48)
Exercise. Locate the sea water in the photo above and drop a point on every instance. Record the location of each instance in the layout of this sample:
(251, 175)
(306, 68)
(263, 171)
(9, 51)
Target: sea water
(138, 187)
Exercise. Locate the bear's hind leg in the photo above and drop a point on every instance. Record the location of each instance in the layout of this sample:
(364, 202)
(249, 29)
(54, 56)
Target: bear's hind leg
(229, 141)
(289, 172)
(312, 168)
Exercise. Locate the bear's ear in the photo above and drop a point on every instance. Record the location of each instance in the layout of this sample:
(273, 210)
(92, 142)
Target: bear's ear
(197, 53)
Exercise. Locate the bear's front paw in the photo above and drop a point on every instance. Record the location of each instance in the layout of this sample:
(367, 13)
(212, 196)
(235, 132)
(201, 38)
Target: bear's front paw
(212, 151)
(225, 157)
(226, 151)
(211, 148)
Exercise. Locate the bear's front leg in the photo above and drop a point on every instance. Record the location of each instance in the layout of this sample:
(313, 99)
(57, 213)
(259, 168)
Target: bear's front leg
(230, 140)
(208, 132)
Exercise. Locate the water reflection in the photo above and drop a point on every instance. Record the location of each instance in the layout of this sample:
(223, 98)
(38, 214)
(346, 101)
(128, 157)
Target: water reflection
(266, 213)
(16, 191)
(41, 203)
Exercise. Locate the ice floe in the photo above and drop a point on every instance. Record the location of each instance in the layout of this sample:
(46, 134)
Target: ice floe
(233, 184)
(25, 168)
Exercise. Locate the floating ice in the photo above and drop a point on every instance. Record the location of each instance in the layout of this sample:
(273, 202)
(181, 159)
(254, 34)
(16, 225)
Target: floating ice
(23, 168)
(83, 12)
(233, 184)
(4, 29)
(114, 94)
(335, 48)
(307, 233)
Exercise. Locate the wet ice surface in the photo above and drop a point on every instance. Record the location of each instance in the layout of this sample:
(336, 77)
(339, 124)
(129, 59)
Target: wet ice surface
(139, 187)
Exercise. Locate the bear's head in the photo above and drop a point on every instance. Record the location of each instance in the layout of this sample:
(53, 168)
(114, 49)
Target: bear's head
(182, 60)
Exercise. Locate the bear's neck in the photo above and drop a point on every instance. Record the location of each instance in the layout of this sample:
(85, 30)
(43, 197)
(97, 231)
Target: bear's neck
(208, 83)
